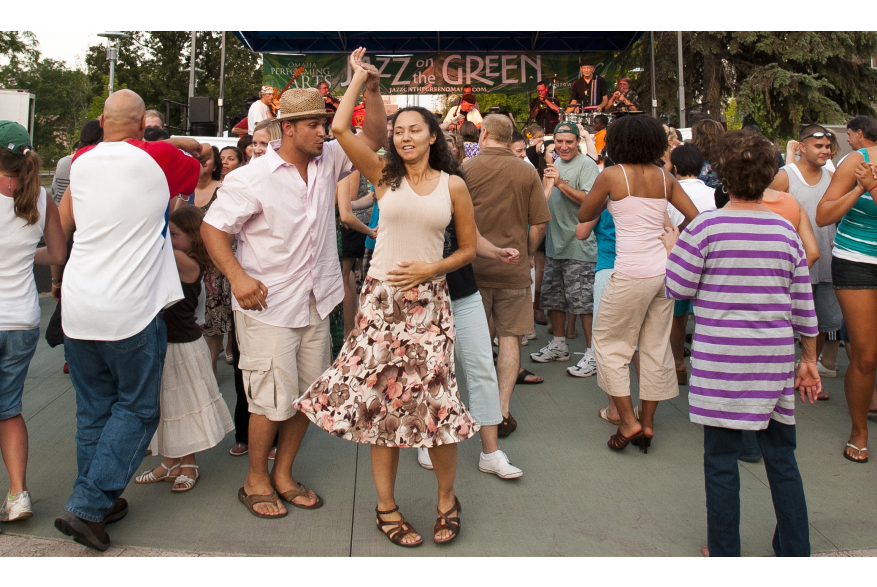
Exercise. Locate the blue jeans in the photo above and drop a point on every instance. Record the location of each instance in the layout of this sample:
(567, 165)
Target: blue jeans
(473, 360)
(118, 386)
(17, 348)
(721, 448)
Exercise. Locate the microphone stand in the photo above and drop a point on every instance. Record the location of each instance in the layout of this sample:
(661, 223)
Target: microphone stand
(529, 102)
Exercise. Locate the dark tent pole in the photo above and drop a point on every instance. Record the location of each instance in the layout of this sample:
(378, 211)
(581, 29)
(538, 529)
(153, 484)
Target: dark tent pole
(654, 92)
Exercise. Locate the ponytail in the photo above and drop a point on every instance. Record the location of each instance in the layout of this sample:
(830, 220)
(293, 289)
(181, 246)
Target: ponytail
(27, 169)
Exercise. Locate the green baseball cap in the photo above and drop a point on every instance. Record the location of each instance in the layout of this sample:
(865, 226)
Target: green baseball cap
(566, 126)
(14, 137)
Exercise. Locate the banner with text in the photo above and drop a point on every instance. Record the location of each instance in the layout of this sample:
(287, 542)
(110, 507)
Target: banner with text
(438, 73)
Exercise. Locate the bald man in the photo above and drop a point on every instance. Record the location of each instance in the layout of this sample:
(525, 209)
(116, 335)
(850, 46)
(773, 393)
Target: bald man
(120, 277)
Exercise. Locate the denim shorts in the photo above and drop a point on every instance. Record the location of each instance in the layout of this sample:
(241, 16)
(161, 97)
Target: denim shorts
(17, 348)
(828, 314)
(846, 274)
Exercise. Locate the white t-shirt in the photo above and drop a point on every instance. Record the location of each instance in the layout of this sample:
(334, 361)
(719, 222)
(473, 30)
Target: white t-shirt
(258, 112)
(19, 305)
(701, 195)
(121, 271)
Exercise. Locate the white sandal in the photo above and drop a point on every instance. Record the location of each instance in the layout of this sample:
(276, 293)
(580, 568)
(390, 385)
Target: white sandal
(187, 482)
(148, 477)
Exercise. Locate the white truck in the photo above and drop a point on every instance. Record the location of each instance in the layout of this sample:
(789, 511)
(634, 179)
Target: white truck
(18, 106)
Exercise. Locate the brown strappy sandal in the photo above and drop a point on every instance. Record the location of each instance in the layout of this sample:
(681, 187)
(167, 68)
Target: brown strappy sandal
(301, 491)
(397, 530)
(253, 500)
(446, 522)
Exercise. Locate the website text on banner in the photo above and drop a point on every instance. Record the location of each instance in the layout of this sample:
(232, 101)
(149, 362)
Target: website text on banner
(438, 73)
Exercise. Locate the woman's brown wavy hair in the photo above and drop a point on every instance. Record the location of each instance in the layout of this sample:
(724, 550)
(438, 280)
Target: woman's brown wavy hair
(27, 169)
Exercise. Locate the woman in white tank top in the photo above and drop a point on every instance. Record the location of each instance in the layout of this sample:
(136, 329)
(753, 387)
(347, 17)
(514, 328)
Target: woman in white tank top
(393, 384)
(27, 214)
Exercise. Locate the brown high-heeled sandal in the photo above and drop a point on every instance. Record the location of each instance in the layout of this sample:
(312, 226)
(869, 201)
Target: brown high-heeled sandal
(619, 442)
(447, 522)
(396, 530)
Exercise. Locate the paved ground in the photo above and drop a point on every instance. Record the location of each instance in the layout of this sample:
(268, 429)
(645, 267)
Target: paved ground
(577, 498)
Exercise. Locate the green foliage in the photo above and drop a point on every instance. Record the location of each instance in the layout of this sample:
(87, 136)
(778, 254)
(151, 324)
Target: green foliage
(779, 79)
(151, 64)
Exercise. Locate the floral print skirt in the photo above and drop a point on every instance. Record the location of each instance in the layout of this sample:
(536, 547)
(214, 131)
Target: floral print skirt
(217, 307)
(393, 382)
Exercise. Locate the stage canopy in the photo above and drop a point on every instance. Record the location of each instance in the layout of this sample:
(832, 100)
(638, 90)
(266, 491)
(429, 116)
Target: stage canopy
(393, 42)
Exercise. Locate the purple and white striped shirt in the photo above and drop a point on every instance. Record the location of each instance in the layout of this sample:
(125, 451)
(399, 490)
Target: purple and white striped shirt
(746, 273)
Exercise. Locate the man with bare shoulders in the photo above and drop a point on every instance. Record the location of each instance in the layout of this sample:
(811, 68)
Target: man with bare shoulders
(807, 179)
(120, 277)
(286, 279)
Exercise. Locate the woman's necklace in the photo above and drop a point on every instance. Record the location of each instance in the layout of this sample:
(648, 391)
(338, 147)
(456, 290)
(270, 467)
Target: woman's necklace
(9, 181)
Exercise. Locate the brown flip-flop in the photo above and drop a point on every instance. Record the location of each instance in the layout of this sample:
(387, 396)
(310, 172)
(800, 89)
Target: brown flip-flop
(301, 491)
(252, 500)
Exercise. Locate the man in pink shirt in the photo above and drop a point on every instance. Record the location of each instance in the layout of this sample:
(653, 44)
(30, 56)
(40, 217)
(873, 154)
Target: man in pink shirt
(286, 280)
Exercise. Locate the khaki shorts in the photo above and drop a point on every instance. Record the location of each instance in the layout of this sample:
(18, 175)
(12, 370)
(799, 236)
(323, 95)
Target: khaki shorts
(280, 364)
(635, 312)
(510, 309)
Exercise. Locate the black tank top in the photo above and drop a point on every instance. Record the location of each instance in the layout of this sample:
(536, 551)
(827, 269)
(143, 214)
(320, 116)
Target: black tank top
(180, 318)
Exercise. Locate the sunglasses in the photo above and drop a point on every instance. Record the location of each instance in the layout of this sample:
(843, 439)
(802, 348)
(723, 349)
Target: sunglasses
(817, 135)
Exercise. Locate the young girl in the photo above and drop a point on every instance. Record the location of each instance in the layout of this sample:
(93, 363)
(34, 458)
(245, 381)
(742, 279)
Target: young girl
(194, 416)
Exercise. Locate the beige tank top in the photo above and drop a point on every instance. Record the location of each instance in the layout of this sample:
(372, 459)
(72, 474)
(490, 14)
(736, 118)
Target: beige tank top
(411, 227)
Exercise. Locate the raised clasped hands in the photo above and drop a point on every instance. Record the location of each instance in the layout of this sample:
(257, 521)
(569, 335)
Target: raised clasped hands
(359, 67)
(866, 175)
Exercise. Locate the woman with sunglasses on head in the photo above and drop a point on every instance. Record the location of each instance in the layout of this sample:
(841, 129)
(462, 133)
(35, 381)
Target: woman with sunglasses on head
(393, 384)
(849, 201)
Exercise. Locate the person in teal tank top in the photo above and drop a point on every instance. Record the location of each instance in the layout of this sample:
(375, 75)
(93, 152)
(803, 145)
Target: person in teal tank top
(849, 201)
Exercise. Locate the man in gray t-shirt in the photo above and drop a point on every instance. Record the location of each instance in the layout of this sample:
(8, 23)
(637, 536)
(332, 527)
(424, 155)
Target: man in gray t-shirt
(807, 179)
(568, 280)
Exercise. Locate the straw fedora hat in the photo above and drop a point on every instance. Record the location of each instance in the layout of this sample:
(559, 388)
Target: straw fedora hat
(299, 103)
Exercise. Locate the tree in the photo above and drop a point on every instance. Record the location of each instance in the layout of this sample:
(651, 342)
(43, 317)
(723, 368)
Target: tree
(779, 79)
(151, 64)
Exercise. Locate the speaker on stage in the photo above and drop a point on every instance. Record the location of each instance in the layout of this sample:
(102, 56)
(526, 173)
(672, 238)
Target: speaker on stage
(201, 109)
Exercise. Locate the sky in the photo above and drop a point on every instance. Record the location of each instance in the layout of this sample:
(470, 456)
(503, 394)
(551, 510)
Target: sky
(67, 45)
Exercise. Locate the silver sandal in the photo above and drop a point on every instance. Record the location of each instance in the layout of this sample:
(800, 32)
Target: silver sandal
(148, 477)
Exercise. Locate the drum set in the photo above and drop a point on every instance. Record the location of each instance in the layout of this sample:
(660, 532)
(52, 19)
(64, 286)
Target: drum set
(589, 113)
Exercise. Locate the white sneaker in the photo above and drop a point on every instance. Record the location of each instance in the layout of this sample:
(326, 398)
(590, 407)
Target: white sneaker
(524, 341)
(423, 458)
(825, 371)
(498, 464)
(586, 367)
(18, 508)
(551, 352)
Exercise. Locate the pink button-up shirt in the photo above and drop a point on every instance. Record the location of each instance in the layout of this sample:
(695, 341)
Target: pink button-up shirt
(286, 231)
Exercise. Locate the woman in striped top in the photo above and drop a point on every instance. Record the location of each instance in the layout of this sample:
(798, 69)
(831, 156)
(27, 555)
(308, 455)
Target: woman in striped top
(854, 275)
(745, 269)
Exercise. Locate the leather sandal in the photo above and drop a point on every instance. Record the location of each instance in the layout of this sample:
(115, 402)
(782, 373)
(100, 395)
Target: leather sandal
(301, 491)
(619, 442)
(396, 530)
(253, 500)
(447, 522)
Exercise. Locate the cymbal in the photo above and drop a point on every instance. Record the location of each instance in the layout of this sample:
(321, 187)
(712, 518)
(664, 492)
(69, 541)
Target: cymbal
(552, 78)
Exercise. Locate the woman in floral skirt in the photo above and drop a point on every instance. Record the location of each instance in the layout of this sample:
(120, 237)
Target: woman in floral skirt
(393, 384)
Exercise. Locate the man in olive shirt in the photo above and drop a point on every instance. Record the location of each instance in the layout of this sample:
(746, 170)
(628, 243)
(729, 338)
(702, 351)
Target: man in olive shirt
(568, 281)
(508, 197)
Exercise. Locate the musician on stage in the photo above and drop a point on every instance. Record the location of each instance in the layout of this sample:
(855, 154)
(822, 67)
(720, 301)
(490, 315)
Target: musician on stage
(623, 99)
(545, 109)
(331, 102)
(467, 107)
(590, 90)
